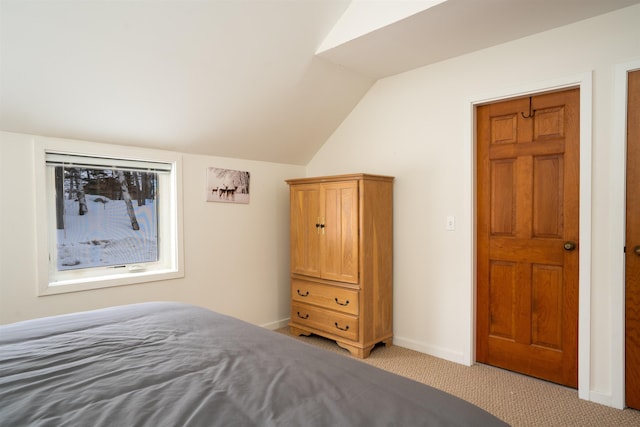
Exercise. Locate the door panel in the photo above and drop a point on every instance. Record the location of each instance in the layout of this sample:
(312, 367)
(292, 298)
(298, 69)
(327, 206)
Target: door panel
(502, 291)
(547, 196)
(546, 325)
(503, 194)
(340, 248)
(305, 213)
(632, 260)
(528, 206)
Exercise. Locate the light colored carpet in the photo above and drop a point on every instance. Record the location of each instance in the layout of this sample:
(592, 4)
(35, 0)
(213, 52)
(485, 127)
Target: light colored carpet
(517, 399)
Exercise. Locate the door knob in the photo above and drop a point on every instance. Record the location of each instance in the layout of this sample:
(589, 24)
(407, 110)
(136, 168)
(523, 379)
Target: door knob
(636, 250)
(569, 246)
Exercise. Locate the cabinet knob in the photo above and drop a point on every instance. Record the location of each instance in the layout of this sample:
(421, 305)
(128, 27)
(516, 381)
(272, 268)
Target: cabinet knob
(306, 316)
(301, 294)
(344, 304)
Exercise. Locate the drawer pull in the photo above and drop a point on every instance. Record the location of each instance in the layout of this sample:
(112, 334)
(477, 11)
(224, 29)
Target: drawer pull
(306, 316)
(344, 304)
(346, 328)
(303, 295)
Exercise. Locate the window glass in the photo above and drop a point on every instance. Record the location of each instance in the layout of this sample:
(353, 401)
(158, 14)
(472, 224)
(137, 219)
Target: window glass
(104, 217)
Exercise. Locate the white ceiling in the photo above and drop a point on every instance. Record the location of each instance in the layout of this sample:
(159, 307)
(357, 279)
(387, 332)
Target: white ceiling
(232, 78)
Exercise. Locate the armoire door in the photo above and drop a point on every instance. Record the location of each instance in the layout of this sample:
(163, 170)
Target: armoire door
(527, 242)
(339, 242)
(324, 219)
(305, 218)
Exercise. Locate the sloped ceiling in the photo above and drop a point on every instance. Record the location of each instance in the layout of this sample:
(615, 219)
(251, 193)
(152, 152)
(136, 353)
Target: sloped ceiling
(232, 78)
(455, 27)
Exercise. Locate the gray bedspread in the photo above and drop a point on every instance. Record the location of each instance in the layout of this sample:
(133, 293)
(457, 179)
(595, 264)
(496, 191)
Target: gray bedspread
(172, 364)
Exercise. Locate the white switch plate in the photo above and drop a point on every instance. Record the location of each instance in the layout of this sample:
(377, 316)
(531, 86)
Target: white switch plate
(451, 223)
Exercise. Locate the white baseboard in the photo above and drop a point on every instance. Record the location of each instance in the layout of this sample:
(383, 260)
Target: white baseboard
(606, 399)
(442, 353)
(276, 325)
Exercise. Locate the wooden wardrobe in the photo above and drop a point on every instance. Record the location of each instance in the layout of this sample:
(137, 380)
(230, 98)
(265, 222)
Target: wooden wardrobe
(342, 259)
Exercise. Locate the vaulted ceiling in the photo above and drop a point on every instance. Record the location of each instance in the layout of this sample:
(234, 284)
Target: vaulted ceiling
(247, 79)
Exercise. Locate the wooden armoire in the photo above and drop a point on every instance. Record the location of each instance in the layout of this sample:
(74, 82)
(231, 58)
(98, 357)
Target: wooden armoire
(342, 259)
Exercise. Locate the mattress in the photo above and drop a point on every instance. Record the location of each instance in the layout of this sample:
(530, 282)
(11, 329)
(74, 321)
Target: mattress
(174, 364)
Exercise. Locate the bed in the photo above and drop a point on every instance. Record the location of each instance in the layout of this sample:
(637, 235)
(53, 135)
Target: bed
(174, 364)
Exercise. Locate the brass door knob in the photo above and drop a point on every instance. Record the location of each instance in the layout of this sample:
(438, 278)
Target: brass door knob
(636, 250)
(569, 246)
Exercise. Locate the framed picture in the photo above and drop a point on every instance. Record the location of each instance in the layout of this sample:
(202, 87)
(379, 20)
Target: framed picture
(227, 185)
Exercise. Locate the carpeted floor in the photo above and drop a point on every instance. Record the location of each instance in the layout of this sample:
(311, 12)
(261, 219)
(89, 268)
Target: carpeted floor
(516, 399)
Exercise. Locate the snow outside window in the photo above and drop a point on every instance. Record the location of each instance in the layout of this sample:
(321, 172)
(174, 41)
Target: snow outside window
(110, 220)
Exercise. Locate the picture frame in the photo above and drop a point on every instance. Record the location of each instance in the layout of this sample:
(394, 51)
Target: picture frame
(227, 185)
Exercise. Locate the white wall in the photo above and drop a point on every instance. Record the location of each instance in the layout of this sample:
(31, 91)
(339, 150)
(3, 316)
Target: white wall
(236, 255)
(418, 127)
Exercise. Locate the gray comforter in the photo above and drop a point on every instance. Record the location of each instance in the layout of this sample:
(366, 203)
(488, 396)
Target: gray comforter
(172, 364)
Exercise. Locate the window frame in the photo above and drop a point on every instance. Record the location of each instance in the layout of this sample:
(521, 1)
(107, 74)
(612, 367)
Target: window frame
(170, 227)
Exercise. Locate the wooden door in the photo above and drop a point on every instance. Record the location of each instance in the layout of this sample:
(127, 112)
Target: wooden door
(305, 221)
(632, 244)
(528, 213)
(339, 244)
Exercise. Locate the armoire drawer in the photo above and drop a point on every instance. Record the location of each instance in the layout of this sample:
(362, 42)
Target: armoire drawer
(325, 320)
(333, 297)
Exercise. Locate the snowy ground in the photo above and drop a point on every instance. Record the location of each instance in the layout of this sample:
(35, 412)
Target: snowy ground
(104, 236)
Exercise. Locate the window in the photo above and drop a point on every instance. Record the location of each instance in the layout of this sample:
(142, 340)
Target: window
(108, 219)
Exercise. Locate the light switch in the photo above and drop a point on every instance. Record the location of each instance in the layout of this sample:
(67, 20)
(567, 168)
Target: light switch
(451, 223)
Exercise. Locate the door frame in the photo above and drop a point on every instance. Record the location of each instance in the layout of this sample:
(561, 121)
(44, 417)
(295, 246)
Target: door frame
(584, 82)
(618, 202)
